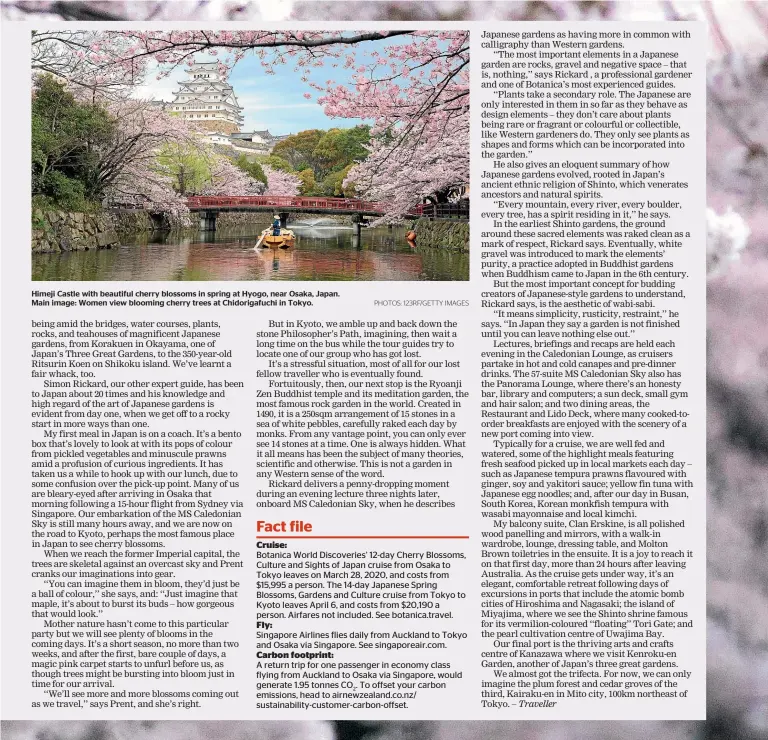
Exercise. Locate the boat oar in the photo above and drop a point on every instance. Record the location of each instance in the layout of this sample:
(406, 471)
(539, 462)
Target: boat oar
(261, 239)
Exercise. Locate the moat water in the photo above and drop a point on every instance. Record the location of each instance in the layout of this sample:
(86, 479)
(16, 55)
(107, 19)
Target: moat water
(322, 252)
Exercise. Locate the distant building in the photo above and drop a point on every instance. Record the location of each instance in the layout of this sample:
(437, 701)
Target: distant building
(253, 142)
(217, 138)
(255, 137)
(208, 100)
(263, 140)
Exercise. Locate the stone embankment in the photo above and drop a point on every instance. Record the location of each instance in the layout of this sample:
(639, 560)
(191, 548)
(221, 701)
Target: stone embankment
(62, 231)
(442, 234)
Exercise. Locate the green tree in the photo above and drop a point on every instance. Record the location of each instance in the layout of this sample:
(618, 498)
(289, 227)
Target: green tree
(307, 177)
(339, 147)
(186, 165)
(251, 168)
(276, 163)
(333, 184)
(354, 143)
(66, 140)
(324, 152)
(298, 149)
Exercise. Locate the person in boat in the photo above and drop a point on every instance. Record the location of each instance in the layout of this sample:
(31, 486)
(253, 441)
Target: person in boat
(276, 226)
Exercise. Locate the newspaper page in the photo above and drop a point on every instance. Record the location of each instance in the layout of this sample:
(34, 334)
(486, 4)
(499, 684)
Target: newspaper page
(354, 363)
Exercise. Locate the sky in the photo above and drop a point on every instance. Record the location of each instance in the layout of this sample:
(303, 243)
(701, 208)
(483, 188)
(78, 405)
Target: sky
(270, 101)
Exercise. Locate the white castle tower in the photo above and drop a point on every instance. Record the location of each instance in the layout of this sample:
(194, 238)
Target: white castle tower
(208, 99)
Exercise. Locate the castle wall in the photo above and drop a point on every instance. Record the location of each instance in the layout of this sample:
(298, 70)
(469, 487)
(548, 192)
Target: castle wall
(223, 127)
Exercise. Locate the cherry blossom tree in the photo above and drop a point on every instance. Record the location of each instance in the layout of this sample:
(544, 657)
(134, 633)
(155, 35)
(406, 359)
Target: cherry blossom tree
(417, 94)
(281, 183)
(148, 10)
(84, 63)
(227, 179)
(131, 52)
(130, 171)
(403, 175)
(144, 175)
(727, 236)
(375, 10)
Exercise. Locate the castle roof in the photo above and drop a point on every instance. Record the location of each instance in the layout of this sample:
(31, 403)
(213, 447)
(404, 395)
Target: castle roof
(214, 85)
(248, 134)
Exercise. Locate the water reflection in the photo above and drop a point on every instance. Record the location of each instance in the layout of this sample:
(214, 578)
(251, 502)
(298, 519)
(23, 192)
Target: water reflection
(322, 252)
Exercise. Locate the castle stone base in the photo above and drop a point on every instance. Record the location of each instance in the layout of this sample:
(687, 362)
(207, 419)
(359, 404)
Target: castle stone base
(222, 127)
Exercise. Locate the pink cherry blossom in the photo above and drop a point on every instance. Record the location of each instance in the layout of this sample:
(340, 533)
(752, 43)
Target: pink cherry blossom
(281, 183)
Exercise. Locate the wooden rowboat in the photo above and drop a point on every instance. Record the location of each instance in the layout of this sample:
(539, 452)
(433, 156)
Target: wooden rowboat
(286, 238)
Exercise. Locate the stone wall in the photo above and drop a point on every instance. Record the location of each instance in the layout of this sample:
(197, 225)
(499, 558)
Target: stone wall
(442, 234)
(134, 222)
(218, 125)
(61, 231)
(58, 231)
(226, 220)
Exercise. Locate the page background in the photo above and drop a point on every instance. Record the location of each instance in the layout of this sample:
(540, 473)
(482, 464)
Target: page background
(16, 296)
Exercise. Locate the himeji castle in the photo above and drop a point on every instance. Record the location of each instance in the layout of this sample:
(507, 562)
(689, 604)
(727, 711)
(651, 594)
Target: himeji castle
(208, 99)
